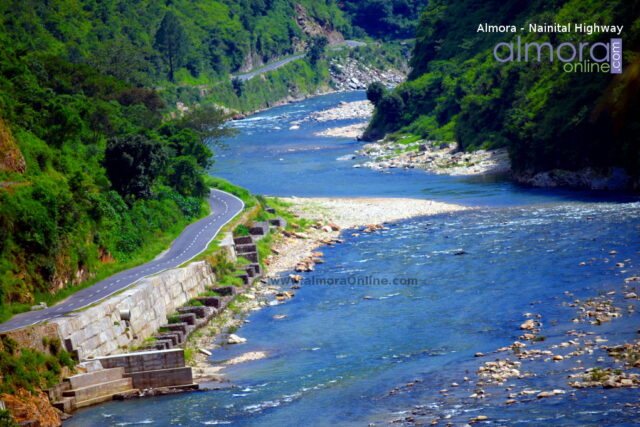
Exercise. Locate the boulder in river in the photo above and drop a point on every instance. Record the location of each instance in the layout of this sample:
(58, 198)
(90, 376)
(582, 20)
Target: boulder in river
(235, 339)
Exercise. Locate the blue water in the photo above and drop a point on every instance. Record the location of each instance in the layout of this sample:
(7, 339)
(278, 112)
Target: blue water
(336, 356)
(268, 158)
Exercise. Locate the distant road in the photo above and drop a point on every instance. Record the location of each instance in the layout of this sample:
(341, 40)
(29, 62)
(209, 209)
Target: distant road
(277, 64)
(194, 239)
(269, 67)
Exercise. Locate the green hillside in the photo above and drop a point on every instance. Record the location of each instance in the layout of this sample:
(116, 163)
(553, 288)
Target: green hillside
(94, 175)
(548, 118)
(131, 39)
(383, 19)
(89, 174)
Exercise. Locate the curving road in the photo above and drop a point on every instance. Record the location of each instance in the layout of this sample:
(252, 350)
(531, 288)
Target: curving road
(282, 62)
(194, 239)
(269, 67)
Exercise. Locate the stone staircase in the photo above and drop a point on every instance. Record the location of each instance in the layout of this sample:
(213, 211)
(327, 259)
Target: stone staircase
(152, 369)
(96, 386)
(195, 317)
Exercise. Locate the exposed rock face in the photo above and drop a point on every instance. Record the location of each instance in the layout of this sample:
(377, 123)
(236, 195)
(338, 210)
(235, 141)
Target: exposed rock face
(349, 74)
(35, 407)
(591, 179)
(99, 330)
(11, 158)
(313, 28)
(251, 61)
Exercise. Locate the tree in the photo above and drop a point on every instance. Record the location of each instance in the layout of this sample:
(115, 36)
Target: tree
(185, 175)
(172, 42)
(133, 162)
(375, 92)
(208, 121)
(391, 106)
(317, 48)
(186, 142)
(120, 58)
(238, 86)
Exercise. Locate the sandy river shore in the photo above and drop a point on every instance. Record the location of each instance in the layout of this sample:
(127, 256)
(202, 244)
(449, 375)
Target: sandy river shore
(345, 213)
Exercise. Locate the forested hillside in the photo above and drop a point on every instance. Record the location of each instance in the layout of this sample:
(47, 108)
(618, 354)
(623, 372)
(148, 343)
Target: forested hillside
(383, 19)
(89, 173)
(143, 41)
(96, 171)
(546, 117)
(93, 174)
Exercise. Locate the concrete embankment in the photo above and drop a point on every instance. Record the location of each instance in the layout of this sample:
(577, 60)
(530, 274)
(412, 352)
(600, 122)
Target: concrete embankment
(126, 319)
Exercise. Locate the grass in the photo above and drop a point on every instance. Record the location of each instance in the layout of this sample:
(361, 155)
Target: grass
(282, 210)
(224, 185)
(243, 261)
(229, 280)
(174, 319)
(188, 355)
(211, 294)
(598, 374)
(241, 231)
(31, 369)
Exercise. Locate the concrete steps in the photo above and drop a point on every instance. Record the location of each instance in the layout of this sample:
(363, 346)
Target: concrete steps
(99, 390)
(95, 377)
(96, 386)
(101, 399)
(243, 249)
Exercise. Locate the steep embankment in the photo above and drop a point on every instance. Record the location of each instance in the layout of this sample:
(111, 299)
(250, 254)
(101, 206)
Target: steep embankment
(548, 118)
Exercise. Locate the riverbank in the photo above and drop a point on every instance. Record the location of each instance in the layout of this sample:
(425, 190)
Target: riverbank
(341, 214)
(435, 157)
(408, 152)
(329, 217)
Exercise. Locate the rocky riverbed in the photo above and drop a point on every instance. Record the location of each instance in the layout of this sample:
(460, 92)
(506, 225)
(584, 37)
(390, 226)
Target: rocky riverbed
(408, 153)
(349, 74)
(577, 359)
(345, 111)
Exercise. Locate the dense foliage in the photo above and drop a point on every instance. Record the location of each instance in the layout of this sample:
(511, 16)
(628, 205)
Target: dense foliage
(31, 369)
(92, 168)
(384, 19)
(547, 118)
(103, 174)
(148, 41)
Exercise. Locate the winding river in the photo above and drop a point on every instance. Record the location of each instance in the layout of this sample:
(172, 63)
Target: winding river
(342, 359)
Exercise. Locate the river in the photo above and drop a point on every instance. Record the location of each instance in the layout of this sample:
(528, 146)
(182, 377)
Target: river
(342, 359)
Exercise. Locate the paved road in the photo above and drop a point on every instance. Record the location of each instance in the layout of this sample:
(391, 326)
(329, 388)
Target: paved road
(270, 67)
(194, 239)
(277, 64)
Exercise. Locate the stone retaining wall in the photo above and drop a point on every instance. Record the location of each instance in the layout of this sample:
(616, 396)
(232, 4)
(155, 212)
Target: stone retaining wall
(100, 330)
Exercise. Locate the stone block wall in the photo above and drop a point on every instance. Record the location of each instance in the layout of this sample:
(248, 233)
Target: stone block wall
(161, 378)
(145, 360)
(100, 330)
